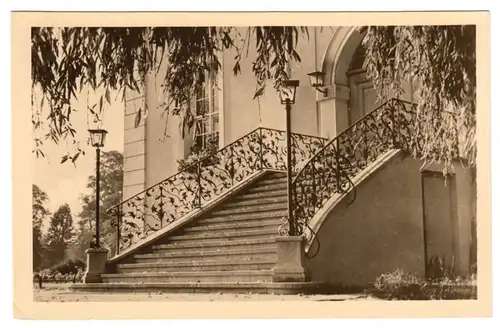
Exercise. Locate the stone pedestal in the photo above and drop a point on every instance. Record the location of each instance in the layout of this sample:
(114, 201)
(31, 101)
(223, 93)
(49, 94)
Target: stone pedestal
(290, 264)
(96, 264)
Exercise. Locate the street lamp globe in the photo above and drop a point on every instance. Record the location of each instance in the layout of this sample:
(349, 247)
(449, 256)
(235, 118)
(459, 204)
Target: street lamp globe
(288, 91)
(97, 137)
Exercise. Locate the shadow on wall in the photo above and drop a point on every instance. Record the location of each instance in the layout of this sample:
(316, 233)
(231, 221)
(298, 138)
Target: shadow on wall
(382, 230)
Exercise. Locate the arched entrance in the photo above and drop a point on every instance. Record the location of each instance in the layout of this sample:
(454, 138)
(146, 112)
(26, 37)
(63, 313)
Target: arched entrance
(352, 94)
(362, 99)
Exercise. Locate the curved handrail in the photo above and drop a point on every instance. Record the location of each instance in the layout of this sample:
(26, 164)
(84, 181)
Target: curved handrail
(187, 168)
(195, 186)
(330, 171)
(351, 127)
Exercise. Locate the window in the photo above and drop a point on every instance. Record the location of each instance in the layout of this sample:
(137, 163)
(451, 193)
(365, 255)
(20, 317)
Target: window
(206, 127)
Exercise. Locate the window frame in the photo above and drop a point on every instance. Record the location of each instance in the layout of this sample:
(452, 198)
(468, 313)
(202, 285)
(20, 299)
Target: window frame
(204, 122)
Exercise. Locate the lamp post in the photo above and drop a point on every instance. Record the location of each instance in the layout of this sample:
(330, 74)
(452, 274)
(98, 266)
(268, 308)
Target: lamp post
(287, 97)
(97, 138)
(290, 247)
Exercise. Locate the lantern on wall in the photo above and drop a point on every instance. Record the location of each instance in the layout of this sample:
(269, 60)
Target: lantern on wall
(317, 80)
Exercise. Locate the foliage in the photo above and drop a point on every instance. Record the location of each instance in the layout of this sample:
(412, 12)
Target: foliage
(437, 268)
(59, 235)
(40, 213)
(401, 285)
(37, 248)
(69, 266)
(111, 186)
(199, 153)
(398, 284)
(441, 61)
(83, 240)
(65, 60)
(51, 275)
(39, 209)
(473, 268)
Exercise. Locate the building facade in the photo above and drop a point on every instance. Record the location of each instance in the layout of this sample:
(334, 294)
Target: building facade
(403, 214)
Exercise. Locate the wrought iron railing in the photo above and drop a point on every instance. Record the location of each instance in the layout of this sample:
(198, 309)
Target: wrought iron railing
(331, 170)
(191, 189)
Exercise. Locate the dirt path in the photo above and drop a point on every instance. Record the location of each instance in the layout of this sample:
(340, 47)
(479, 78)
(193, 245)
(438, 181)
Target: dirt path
(61, 293)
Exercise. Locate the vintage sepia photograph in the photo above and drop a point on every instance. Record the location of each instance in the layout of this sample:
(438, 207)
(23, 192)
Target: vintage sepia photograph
(260, 162)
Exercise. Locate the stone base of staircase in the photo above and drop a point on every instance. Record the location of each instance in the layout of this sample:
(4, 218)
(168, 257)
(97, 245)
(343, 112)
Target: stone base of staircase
(283, 288)
(233, 248)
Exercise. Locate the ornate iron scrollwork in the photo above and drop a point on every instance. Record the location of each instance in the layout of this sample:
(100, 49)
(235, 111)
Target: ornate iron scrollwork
(195, 186)
(322, 170)
(330, 171)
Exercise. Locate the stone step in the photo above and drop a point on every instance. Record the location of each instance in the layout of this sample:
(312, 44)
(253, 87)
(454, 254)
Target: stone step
(272, 193)
(242, 234)
(191, 276)
(201, 265)
(265, 188)
(276, 174)
(233, 226)
(266, 182)
(243, 217)
(221, 254)
(255, 202)
(250, 209)
(279, 288)
(204, 245)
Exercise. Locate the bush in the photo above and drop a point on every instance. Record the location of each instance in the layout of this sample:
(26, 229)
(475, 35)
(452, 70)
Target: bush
(197, 154)
(49, 275)
(69, 266)
(67, 271)
(401, 285)
(398, 285)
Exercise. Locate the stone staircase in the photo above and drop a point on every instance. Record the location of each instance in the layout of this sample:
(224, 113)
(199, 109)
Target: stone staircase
(232, 248)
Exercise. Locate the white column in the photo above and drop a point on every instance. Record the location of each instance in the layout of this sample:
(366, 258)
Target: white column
(333, 111)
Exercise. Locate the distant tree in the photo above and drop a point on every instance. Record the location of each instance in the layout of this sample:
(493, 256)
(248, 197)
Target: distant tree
(111, 185)
(83, 238)
(40, 213)
(60, 235)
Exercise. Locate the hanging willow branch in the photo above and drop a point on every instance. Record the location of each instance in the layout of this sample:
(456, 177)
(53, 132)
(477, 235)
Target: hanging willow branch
(65, 60)
(441, 62)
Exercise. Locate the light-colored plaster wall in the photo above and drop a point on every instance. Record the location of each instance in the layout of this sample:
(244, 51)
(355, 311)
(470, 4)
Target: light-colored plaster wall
(134, 150)
(165, 144)
(312, 113)
(463, 190)
(241, 113)
(152, 149)
(378, 233)
(383, 231)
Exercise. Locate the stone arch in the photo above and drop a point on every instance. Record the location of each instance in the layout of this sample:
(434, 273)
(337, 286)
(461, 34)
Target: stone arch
(336, 61)
(339, 53)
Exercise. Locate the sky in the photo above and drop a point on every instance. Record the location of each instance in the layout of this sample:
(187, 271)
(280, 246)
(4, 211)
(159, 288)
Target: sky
(64, 183)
